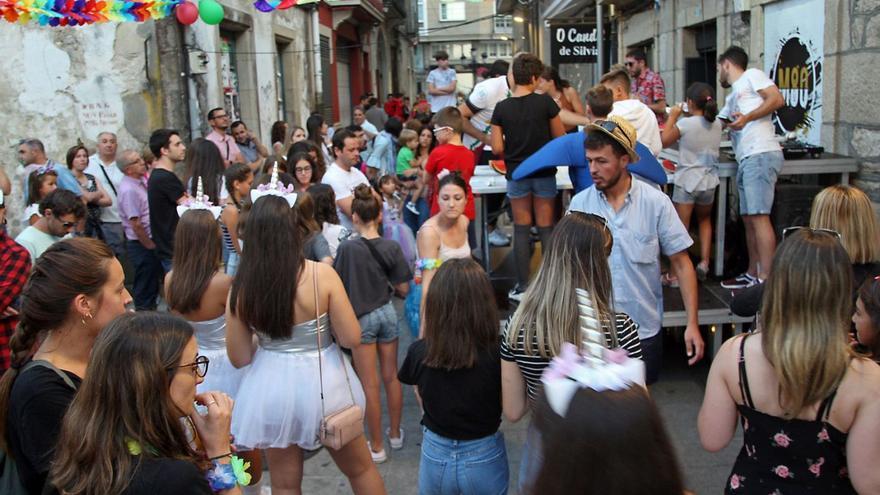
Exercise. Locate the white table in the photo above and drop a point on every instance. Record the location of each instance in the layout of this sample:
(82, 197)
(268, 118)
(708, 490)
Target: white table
(828, 164)
(487, 181)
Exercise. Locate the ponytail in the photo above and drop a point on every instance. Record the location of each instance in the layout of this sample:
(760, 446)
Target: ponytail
(67, 269)
(704, 98)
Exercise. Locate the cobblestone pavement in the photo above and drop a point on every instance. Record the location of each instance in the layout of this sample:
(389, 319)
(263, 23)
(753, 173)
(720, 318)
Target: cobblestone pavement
(678, 396)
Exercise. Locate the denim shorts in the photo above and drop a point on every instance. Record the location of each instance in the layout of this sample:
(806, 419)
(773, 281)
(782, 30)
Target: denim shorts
(702, 198)
(542, 187)
(467, 467)
(756, 182)
(379, 325)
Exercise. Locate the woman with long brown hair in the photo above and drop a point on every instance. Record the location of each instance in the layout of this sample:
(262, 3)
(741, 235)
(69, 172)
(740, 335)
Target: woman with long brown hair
(457, 374)
(203, 159)
(809, 408)
(125, 431)
(75, 288)
(94, 194)
(289, 303)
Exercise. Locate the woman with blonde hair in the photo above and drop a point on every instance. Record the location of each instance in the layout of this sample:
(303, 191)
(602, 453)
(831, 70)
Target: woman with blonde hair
(809, 408)
(847, 211)
(576, 257)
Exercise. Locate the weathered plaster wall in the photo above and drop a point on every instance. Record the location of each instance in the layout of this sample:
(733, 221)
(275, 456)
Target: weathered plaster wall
(64, 85)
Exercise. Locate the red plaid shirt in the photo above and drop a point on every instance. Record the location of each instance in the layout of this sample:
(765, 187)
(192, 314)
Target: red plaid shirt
(15, 266)
(649, 89)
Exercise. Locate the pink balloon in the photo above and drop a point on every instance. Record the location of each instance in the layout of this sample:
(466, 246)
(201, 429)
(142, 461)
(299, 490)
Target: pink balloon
(187, 13)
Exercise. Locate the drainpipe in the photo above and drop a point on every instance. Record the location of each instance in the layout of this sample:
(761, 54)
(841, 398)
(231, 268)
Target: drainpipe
(316, 53)
(600, 40)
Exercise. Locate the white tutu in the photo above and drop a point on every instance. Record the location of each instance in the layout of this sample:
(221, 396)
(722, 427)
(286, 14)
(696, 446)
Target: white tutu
(279, 400)
(222, 375)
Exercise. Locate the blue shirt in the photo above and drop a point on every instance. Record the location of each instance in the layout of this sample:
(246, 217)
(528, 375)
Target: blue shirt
(645, 226)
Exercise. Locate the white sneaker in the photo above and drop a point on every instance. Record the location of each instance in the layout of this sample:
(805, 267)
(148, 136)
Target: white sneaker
(412, 207)
(498, 239)
(378, 457)
(396, 443)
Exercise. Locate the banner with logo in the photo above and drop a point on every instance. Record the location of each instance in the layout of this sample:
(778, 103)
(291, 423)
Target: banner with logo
(573, 44)
(793, 58)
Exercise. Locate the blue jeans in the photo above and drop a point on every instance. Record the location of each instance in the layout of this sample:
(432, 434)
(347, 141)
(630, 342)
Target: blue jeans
(415, 222)
(114, 236)
(147, 275)
(532, 459)
(452, 467)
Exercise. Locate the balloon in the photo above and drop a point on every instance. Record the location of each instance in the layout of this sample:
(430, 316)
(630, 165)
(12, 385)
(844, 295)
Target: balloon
(210, 11)
(186, 13)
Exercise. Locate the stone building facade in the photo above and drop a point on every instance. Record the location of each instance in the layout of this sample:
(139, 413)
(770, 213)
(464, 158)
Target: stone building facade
(64, 85)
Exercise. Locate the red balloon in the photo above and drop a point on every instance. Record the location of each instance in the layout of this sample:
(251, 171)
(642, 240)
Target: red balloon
(186, 13)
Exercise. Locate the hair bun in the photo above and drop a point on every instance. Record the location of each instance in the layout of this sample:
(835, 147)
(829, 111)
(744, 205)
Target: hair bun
(363, 192)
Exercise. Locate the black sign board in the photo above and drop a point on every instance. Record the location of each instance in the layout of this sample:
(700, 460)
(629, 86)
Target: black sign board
(573, 44)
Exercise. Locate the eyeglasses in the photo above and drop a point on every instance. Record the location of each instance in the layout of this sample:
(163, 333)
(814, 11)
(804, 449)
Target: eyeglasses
(68, 225)
(302, 170)
(219, 116)
(199, 366)
(629, 64)
(441, 129)
(791, 230)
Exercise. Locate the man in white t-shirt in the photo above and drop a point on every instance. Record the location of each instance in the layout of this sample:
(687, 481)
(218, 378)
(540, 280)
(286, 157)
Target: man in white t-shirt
(477, 109)
(441, 84)
(748, 111)
(476, 114)
(343, 176)
(102, 165)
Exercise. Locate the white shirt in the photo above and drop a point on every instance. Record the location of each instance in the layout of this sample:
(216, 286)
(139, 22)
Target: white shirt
(698, 153)
(343, 183)
(441, 78)
(643, 119)
(482, 101)
(758, 136)
(109, 214)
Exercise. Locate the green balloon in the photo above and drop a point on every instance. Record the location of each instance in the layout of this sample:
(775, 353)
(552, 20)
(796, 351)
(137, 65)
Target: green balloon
(211, 12)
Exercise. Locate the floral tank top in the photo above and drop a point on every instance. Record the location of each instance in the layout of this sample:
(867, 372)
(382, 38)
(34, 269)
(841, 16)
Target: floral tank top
(787, 456)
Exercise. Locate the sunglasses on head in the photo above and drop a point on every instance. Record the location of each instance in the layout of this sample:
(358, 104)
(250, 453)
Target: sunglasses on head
(611, 126)
(791, 230)
(441, 129)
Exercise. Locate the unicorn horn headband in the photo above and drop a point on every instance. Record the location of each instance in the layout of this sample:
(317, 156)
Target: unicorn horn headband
(275, 188)
(594, 366)
(199, 202)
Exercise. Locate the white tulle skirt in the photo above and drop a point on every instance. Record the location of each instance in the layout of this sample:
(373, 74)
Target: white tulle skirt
(222, 375)
(279, 399)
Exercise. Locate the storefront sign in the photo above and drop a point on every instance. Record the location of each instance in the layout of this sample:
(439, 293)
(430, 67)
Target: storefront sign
(793, 48)
(573, 44)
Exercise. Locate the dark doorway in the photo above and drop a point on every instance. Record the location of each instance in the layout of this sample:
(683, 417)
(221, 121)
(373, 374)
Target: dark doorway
(702, 68)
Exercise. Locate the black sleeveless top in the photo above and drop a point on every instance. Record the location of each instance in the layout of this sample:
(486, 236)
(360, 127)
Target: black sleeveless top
(787, 456)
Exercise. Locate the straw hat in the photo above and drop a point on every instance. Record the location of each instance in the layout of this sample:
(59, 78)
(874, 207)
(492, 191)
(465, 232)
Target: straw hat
(621, 131)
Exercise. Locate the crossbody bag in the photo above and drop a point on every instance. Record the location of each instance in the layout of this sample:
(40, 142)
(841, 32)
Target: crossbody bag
(339, 427)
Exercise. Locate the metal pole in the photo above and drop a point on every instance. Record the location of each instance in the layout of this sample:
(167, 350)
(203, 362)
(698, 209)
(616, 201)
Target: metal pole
(600, 41)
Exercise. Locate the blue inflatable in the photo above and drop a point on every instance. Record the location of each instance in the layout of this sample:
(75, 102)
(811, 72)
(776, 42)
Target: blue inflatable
(568, 150)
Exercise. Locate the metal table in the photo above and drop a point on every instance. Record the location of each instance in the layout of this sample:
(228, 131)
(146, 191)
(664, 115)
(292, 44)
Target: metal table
(829, 164)
(487, 181)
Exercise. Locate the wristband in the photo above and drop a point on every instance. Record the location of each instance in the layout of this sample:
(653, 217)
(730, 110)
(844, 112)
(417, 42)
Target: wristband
(225, 476)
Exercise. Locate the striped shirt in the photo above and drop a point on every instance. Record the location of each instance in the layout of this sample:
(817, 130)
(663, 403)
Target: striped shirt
(532, 367)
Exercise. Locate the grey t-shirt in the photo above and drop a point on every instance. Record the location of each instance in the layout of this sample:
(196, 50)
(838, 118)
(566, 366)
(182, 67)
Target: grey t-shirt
(316, 247)
(368, 286)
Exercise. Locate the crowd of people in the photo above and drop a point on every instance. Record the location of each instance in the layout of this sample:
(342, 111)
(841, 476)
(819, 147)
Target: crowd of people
(275, 267)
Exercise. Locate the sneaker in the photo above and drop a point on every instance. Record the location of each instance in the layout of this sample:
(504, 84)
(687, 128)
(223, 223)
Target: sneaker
(498, 239)
(412, 207)
(396, 443)
(739, 282)
(516, 293)
(378, 457)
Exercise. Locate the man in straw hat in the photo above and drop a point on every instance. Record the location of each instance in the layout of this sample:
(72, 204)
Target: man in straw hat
(643, 224)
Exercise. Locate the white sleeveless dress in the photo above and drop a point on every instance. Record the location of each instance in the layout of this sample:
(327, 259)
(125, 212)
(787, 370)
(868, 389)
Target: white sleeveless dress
(279, 400)
(222, 375)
